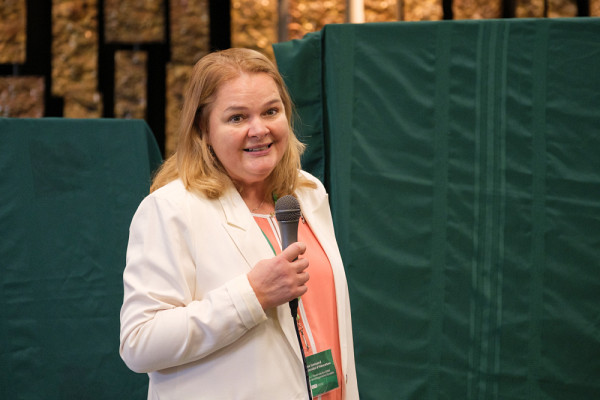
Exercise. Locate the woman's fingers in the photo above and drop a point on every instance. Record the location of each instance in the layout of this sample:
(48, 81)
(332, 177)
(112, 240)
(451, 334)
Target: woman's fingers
(282, 278)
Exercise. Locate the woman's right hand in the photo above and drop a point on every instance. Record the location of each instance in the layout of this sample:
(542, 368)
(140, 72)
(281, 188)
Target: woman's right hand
(282, 278)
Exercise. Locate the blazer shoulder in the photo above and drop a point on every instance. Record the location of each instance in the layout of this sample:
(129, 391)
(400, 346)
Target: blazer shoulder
(170, 190)
(314, 179)
(312, 198)
(173, 200)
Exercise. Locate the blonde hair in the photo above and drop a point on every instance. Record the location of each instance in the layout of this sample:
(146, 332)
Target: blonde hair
(193, 161)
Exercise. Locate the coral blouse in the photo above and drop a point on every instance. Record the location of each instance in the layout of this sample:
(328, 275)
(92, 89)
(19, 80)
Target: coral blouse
(317, 311)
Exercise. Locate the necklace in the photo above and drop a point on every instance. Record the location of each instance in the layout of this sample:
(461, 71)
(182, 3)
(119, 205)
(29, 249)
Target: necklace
(259, 206)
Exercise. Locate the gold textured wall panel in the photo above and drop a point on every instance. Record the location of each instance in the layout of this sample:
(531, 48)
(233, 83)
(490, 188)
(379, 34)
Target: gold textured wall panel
(254, 24)
(13, 21)
(74, 47)
(127, 21)
(421, 10)
(22, 96)
(381, 10)
(529, 8)
(177, 78)
(562, 8)
(312, 15)
(83, 105)
(131, 79)
(190, 30)
(595, 8)
(476, 9)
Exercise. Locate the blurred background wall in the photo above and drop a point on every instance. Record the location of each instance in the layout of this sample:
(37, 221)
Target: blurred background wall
(131, 58)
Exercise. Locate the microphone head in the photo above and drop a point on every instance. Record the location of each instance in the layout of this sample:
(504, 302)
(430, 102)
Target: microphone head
(287, 209)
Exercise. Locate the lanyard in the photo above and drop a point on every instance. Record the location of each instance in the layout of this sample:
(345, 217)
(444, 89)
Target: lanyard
(268, 241)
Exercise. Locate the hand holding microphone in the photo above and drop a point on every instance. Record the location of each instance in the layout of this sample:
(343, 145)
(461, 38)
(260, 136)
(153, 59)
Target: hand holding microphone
(282, 278)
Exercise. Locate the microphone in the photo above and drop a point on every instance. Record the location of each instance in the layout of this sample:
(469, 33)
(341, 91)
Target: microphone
(287, 213)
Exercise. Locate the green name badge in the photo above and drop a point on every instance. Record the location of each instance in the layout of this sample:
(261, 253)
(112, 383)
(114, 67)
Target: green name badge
(321, 373)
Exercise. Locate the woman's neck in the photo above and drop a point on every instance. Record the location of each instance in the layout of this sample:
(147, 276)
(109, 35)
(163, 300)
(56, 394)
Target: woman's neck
(258, 200)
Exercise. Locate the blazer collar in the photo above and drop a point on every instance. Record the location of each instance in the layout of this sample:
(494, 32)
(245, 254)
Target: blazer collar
(240, 225)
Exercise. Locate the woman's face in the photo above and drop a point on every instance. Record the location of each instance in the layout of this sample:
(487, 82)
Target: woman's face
(248, 128)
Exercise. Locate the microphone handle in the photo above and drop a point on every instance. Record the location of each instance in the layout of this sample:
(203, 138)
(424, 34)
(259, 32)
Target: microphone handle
(289, 235)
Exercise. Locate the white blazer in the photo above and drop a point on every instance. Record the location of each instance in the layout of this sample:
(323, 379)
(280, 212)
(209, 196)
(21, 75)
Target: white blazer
(190, 318)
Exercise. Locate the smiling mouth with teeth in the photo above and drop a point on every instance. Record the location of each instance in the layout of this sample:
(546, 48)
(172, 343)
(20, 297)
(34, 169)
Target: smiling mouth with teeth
(262, 148)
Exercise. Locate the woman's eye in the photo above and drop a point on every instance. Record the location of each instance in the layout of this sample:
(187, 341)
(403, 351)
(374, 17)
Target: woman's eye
(272, 111)
(236, 118)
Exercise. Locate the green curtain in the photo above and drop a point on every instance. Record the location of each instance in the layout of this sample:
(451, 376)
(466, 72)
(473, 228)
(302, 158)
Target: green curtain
(68, 191)
(463, 163)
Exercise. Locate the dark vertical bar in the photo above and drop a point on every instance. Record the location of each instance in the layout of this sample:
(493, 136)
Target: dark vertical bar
(583, 8)
(447, 8)
(508, 9)
(39, 52)
(106, 68)
(158, 57)
(220, 24)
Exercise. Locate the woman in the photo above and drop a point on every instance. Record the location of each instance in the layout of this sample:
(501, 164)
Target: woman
(205, 311)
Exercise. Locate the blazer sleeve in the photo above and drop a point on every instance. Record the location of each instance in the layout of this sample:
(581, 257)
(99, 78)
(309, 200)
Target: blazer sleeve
(163, 323)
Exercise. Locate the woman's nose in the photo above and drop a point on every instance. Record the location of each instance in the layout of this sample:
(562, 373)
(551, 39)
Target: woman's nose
(257, 127)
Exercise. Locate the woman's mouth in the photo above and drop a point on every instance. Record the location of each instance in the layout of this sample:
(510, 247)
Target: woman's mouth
(258, 148)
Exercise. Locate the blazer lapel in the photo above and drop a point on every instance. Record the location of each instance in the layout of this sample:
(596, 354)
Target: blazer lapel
(252, 245)
(240, 226)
